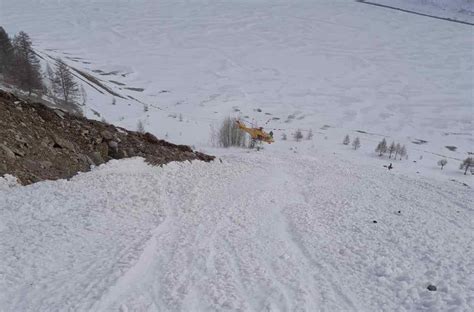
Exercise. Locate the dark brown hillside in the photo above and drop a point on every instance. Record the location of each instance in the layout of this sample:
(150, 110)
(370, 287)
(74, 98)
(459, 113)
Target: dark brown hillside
(38, 143)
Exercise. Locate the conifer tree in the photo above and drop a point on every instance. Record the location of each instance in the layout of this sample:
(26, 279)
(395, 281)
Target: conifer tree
(6, 52)
(381, 147)
(26, 73)
(347, 140)
(391, 149)
(356, 143)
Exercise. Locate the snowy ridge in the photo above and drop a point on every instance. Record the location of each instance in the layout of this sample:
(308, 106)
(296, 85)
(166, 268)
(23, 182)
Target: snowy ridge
(256, 232)
(462, 10)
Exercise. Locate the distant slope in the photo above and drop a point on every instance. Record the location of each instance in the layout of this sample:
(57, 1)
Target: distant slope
(300, 64)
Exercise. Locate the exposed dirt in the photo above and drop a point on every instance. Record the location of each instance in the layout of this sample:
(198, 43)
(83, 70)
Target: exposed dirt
(39, 143)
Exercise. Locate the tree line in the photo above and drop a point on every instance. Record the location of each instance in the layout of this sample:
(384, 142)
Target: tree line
(20, 67)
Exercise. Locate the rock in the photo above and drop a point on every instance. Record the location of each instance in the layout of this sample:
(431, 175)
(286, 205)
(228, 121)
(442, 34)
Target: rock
(45, 164)
(97, 158)
(431, 287)
(374, 221)
(60, 113)
(85, 159)
(121, 153)
(19, 152)
(103, 149)
(20, 139)
(113, 145)
(8, 152)
(151, 138)
(46, 142)
(131, 152)
(63, 143)
(107, 135)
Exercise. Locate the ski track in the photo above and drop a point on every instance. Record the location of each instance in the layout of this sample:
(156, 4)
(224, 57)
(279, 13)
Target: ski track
(258, 232)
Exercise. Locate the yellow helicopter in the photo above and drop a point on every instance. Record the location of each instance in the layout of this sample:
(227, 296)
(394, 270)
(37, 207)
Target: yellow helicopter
(256, 134)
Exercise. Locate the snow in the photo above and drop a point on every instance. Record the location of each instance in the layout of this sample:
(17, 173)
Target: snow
(340, 63)
(259, 231)
(287, 228)
(461, 10)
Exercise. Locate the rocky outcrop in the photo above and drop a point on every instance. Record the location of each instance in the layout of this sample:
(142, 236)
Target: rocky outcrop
(39, 143)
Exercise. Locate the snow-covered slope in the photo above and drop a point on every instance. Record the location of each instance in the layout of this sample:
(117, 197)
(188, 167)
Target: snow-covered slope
(258, 232)
(307, 63)
(287, 228)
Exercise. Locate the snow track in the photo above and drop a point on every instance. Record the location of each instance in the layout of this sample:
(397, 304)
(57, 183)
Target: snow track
(257, 232)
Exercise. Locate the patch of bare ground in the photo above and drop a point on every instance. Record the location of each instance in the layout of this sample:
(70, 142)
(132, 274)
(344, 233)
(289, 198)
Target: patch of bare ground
(40, 143)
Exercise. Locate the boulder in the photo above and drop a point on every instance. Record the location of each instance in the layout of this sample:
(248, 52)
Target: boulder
(8, 152)
(63, 143)
(106, 135)
(431, 287)
(96, 158)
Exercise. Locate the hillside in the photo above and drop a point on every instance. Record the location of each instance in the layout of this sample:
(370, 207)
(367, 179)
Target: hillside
(39, 143)
(298, 225)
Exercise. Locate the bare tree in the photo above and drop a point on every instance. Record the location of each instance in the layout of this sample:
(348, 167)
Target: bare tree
(309, 136)
(356, 143)
(402, 152)
(229, 134)
(140, 127)
(27, 75)
(346, 140)
(63, 83)
(466, 164)
(381, 147)
(298, 135)
(442, 163)
(391, 149)
(50, 77)
(83, 95)
(398, 148)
